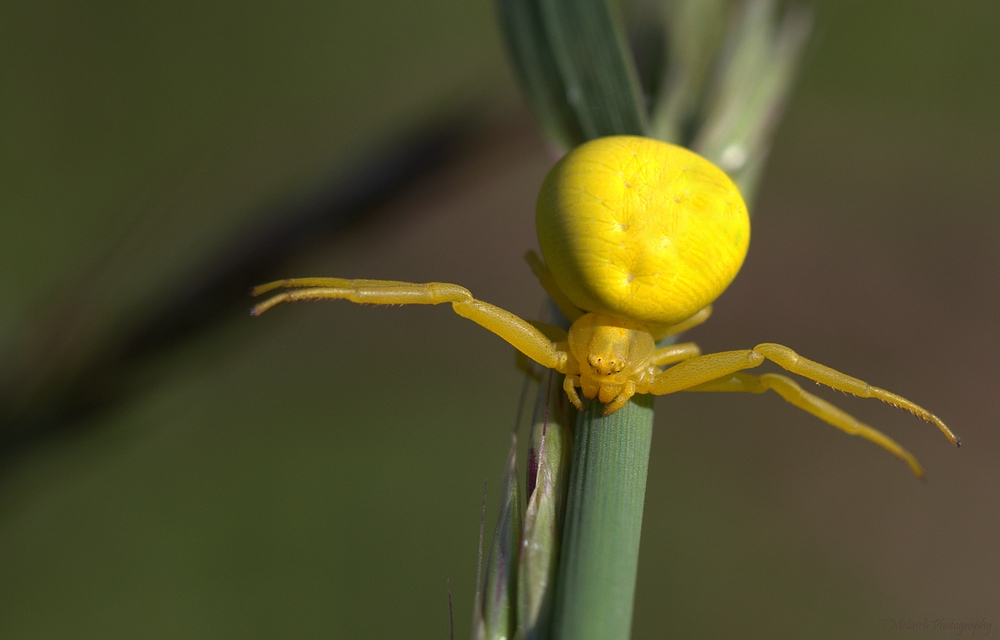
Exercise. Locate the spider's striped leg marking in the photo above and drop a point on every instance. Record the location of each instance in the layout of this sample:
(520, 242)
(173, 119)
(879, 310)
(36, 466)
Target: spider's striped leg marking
(793, 393)
(709, 367)
(521, 334)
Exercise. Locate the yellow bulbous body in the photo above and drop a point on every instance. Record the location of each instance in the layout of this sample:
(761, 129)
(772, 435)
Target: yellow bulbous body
(641, 229)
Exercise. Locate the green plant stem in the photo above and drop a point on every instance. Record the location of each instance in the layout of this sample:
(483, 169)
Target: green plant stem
(600, 542)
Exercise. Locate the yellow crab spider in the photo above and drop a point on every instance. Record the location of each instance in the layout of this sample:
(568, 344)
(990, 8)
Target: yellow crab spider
(639, 237)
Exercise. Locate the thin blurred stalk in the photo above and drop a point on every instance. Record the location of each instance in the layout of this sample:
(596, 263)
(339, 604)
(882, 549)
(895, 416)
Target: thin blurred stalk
(495, 609)
(92, 348)
(745, 103)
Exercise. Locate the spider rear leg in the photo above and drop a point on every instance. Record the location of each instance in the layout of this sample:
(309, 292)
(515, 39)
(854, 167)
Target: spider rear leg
(674, 353)
(663, 331)
(794, 394)
(548, 282)
(518, 332)
(709, 367)
(788, 359)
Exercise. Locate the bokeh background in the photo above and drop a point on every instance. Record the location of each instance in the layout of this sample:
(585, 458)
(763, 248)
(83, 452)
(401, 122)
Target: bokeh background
(318, 471)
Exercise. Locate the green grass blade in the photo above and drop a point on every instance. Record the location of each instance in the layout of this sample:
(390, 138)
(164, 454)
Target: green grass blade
(576, 68)
(540, 77)
(695, 30)
(600, 544)
(602, 86)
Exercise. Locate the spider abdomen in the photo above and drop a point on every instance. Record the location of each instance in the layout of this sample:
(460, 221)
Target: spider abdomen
(641, 229)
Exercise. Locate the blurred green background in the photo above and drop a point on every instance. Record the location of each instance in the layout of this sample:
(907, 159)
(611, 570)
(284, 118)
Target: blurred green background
(317, 472)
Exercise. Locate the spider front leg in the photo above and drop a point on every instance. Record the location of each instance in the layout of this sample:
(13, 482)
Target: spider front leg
(556, 334)
(626, 394)
(794, 394)
(702, 369)
(570, 383)
(521, 334)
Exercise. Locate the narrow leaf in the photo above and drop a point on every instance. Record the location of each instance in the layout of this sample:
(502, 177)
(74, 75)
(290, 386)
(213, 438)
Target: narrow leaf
(540, 77)
(589, 48)
(499, 585)
(548, 471)
(696, 29)
(754, 82)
